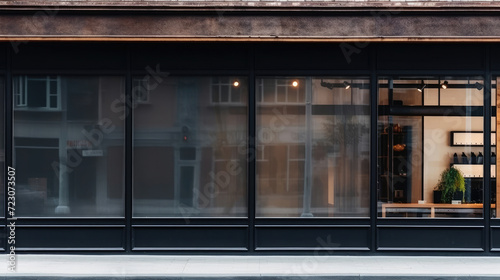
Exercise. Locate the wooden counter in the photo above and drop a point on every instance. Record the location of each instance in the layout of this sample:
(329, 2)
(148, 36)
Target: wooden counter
(431, 206)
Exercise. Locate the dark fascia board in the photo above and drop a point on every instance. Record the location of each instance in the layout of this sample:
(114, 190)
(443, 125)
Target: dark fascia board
(214, 24)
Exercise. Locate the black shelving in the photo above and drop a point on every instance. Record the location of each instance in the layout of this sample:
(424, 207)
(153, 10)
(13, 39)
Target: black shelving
(394, 166)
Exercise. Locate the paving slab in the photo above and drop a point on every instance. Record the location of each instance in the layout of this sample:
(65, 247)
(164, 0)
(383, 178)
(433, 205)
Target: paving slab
(160, 267)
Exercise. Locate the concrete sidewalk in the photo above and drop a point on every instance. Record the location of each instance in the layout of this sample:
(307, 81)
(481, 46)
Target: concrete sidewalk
(249, 267)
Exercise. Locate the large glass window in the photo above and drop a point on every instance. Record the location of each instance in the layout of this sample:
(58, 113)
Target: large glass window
(190, 147)
(313, 140)
(68, 145)
(430, 151)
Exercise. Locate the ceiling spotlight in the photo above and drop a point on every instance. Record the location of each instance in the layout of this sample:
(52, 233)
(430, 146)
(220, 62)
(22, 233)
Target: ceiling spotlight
(236, 83)
(347, 85)
(479, 86)
(422, 86)
(295, 83)
(444, 85)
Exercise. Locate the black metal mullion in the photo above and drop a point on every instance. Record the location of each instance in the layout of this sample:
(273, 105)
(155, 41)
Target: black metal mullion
(487, 152)
(196, 72)
(66, 72)
(463, 111)
(429, 73)
(252, 148)
(374, 152)
(390, 140)
(128, 159)
(293, 72)
(8, 134)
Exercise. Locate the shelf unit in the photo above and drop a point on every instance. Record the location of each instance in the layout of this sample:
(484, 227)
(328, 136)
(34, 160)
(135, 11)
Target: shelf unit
(474, 170)
(469, 138)
(394, 168)
(473, 173)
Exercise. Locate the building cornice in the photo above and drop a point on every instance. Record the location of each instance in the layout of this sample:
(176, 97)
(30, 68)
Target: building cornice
(343, 5)
(55, 23)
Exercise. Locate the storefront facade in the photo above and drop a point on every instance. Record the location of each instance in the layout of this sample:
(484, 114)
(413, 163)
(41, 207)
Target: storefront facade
(250, 130)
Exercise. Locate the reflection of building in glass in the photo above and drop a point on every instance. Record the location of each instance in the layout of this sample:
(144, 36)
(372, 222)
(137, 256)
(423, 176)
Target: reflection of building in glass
(314, 150)
(68, 146)
(195, 132)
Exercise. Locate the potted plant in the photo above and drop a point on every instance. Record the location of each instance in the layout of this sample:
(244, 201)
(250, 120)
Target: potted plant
(451, 185)
(438, 192)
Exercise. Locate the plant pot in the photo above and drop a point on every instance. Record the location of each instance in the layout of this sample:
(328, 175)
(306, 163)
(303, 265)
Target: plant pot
(458, 195)
(437, 196)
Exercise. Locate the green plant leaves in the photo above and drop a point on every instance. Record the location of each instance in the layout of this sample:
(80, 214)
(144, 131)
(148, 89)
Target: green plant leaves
(451, 181)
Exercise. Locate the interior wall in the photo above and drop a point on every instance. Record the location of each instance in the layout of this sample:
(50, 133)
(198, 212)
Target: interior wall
(438, 153)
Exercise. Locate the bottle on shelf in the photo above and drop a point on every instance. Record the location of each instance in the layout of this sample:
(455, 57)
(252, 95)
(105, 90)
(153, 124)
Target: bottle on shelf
(473, 158)
(464, 158)
(397, 128)
(455, 158)
(493, 158)
(480, 158)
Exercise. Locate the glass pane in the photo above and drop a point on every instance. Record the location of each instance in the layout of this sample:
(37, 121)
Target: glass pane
(224, 93)
(313, 157)
(431, 165)
(269, 90)
(431, 91)
(53, 102)
(235, 94)
(281, 93)
(300, 90)
(37, 92)
(53, 87)
(236, 88)
(462, 92)
(16, 91)
(215, 93)
(189, 153)
(224, 80)
(186, 185)
(258, 91)
(70, 168)
(292, 94)
(82, 98)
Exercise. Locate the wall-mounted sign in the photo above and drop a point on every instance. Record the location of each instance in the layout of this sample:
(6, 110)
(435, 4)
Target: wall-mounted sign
(79, 144)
